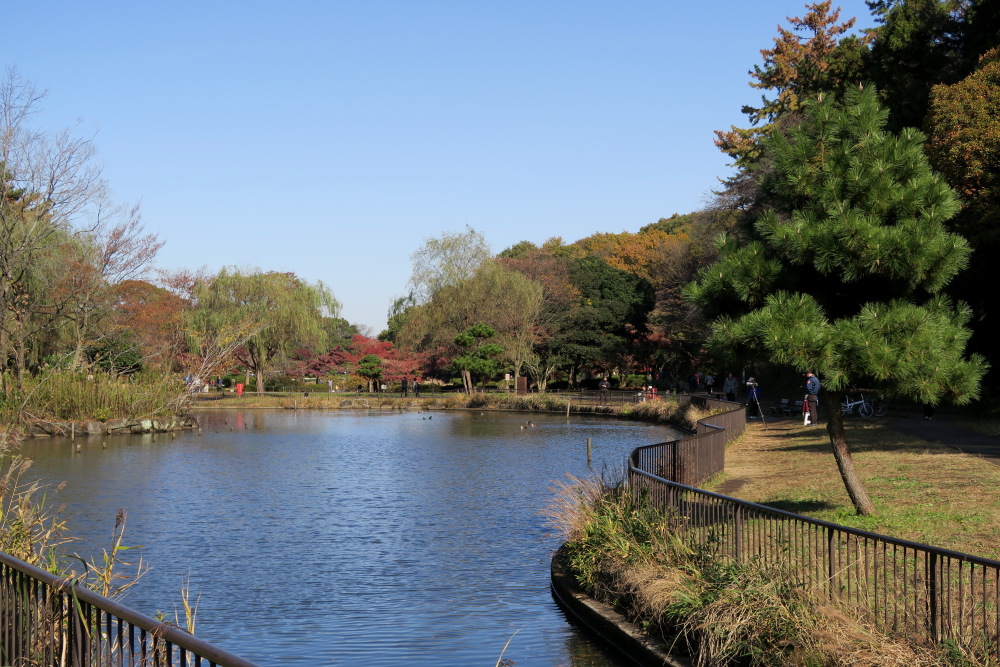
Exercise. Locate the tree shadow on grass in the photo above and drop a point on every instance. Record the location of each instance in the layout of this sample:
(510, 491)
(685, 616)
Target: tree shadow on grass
(800, 506)
(881, 441)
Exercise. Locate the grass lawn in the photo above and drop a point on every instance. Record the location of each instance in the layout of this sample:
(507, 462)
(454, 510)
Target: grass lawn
(923, 492)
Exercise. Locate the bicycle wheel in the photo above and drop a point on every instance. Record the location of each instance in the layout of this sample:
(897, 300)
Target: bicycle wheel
(846, 408)
(881, 409)
(865, 410)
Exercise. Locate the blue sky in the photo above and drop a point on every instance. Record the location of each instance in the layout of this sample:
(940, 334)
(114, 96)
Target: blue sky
(331, 138)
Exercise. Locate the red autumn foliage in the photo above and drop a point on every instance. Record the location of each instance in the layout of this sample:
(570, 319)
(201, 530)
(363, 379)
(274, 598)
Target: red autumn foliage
(346, 357)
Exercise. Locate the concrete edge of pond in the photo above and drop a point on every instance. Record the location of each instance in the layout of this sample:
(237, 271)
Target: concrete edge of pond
(605, 622)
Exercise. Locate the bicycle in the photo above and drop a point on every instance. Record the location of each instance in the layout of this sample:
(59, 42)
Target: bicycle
(865, 408)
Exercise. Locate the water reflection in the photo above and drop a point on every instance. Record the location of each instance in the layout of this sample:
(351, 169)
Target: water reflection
(348, 538)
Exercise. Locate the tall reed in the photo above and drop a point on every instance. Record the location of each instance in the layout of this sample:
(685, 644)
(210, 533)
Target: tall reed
(61, 395)
(34, 530)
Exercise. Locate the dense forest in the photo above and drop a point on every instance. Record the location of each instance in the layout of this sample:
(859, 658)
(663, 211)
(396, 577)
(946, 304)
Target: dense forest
(854, 237)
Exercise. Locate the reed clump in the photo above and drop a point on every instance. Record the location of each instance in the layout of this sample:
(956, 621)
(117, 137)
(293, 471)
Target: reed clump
(61, 395)
(702, 604)
(523, 402)
(663, 411)
(32, 529)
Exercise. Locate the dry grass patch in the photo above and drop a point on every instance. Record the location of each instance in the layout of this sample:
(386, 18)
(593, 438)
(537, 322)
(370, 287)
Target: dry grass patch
(705, 605)
(923, 492)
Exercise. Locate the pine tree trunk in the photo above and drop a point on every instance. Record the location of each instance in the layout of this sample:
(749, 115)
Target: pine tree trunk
(842, 453)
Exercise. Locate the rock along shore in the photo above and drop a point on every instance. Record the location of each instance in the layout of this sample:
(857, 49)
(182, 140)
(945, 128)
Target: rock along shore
(48, 429)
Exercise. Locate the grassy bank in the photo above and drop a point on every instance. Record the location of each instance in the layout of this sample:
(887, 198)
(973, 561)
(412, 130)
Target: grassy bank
(706, 606)
(922, 492)
(660, 411)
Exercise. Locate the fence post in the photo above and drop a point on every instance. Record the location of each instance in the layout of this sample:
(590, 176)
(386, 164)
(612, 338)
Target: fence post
(932, 594)
(738, 533)
(831, 568)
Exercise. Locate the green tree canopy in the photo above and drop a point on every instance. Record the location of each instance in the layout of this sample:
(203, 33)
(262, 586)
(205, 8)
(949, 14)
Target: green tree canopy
(611, 313)
(842, 272)
(370, 368)
(273, 312)
(478, 357)
(922, 43)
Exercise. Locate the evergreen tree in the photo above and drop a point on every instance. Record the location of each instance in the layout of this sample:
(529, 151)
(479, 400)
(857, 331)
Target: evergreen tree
(795, 70)
(478, 357)
(842, 271)
(923, 43)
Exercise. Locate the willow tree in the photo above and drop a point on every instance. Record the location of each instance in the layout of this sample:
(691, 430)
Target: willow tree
(271, 313)
(842, 271)
(445, 261)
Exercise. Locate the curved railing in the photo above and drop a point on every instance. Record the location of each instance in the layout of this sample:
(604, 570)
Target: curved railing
(904, 588)
(45, 620)
(696, 458)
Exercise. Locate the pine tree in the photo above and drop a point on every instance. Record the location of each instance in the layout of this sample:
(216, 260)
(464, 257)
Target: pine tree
(842, 272)
(796, 69)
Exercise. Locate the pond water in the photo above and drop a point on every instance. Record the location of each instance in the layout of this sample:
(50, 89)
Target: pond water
(325, 538)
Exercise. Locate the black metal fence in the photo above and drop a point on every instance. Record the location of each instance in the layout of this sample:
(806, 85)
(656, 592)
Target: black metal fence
(45, 620)
(697, 458)
(912, 590)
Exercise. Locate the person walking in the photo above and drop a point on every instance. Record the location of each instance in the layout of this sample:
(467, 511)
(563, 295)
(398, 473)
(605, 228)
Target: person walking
(812, 399)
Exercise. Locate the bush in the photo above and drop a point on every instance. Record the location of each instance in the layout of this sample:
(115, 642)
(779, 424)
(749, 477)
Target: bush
(634, 380)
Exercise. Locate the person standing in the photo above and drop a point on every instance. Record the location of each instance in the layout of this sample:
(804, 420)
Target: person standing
(812, 399)
(710, 384)
(730, 386)
(604, 387)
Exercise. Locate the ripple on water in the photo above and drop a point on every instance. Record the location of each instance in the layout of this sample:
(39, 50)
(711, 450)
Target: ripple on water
(365, 539)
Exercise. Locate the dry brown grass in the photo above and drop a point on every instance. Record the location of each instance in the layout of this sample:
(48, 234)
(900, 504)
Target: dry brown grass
(747, 615)
(706, 606)
(922, 491)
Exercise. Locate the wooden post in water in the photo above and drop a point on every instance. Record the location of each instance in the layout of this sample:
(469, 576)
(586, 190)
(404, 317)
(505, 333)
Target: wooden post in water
(589, 452)
(72, 430)
(567, 409)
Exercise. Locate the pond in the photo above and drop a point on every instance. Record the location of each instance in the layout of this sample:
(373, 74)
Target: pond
(334, 537)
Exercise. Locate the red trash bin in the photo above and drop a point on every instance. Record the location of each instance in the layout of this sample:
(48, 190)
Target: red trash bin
(239, 388)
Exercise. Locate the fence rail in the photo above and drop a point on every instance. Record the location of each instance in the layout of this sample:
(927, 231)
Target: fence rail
(45, 620)
(697, 458)
(908, 589)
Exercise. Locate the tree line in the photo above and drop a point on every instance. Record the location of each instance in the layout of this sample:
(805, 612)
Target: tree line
(853, 238)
